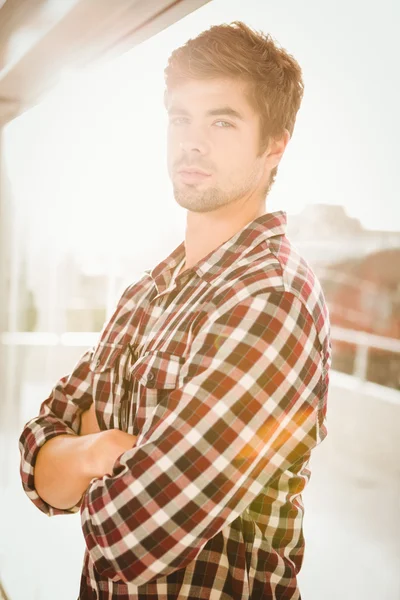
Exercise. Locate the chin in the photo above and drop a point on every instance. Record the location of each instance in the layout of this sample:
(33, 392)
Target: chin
(200, 202)
(192, 204)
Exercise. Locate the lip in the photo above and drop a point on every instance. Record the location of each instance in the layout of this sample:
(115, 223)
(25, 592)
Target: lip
(192, 176)
(193, 171)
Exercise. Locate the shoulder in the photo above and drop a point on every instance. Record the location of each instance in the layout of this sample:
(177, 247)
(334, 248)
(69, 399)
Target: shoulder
(275, 273)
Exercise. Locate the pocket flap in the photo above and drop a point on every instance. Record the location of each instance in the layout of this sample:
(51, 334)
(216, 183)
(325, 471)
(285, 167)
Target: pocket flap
(159, 370)
(105, 356)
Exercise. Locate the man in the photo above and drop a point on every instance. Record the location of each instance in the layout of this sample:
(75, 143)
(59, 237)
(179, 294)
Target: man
(184, 435)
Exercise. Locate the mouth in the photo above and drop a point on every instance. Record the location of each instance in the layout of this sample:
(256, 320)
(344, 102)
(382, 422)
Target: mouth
(191, 175)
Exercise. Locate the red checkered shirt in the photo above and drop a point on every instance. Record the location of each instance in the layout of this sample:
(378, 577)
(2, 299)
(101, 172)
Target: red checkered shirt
(223, 376)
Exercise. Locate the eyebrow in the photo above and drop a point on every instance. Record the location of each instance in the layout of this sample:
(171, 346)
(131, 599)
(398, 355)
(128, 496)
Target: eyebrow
(227, 111)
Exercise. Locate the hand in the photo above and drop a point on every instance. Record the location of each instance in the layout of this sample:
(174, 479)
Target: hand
(104, 448)
(89, 422)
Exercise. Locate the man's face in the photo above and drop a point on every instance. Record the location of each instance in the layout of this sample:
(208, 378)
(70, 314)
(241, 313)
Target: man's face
(213, 145)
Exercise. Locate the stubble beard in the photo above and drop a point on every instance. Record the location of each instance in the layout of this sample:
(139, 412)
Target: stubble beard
(202, 201)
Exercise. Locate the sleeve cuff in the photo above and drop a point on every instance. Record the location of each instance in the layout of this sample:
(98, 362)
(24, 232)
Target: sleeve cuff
(33, 437)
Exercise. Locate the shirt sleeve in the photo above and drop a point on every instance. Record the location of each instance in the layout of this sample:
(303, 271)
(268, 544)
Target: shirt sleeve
(247, 407)
(61, 412)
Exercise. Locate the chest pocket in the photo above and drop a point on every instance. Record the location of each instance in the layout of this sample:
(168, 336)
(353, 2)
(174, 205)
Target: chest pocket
(154, 375)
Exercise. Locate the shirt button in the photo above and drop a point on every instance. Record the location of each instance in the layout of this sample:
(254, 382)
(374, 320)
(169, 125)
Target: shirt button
(98, 362)
(150, 376)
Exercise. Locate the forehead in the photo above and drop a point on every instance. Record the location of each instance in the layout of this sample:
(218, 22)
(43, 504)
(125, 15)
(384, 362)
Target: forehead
(201, 95)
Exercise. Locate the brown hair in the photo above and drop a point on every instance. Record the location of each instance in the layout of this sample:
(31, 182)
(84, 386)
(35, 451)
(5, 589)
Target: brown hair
(235, 50)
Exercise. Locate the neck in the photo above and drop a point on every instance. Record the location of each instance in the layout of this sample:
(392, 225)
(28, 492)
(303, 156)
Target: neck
(207, 231)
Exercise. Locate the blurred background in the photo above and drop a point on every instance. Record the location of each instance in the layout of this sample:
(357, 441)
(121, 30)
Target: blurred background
(86, 206)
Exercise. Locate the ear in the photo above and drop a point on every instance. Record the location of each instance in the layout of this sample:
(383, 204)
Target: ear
(276, 149)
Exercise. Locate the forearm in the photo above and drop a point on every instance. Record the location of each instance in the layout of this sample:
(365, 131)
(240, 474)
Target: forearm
(63, 469)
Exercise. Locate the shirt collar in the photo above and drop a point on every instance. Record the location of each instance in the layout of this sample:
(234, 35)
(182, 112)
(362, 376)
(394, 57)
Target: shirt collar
(264, 227)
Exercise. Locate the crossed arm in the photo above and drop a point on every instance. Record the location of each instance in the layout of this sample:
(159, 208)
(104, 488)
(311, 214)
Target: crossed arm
(66, 464)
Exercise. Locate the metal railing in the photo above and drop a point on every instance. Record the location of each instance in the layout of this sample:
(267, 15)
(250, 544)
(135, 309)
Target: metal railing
(363, 341)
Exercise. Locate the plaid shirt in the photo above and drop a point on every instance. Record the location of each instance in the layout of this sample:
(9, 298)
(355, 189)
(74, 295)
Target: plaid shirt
(223, 376)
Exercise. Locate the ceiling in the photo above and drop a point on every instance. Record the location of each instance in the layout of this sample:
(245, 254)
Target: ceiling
(40, 37)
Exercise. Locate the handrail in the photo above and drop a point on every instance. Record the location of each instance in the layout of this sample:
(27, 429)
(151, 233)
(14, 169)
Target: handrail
(45, 338)
(362, 338)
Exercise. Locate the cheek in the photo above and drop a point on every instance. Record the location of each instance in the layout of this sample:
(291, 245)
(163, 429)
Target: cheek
(173, 137)
(172, 153)
(235, 156)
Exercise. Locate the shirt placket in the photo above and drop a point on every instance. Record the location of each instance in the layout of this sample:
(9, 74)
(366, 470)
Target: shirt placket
(128, 382)
(128, 385)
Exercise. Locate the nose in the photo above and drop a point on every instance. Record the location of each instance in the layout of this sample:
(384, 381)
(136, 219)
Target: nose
(193, 141)
(193, 147)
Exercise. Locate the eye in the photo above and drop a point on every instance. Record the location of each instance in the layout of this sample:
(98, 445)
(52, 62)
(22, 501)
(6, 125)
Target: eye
(223, 124)
(179, 120)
